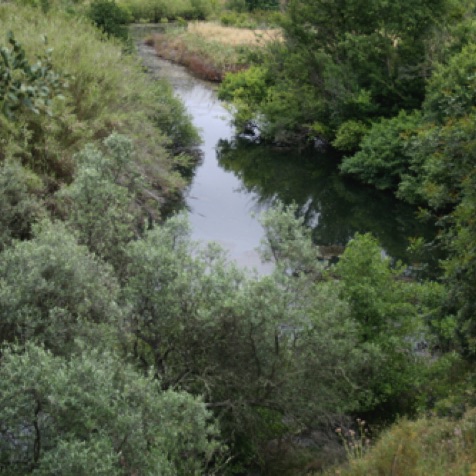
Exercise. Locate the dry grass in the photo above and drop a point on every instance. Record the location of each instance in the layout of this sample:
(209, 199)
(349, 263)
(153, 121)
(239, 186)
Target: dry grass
(233, 36)
(209, 50)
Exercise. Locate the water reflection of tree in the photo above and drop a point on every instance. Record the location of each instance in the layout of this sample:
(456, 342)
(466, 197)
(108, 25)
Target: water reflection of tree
(334, 207)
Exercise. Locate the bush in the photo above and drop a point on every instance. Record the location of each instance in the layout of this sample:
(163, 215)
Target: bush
(110, 18)
(20, 203)
(52, 291)
(384, 157)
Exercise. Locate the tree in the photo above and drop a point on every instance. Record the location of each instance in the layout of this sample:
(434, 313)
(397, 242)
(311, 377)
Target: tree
(391, 316)
(52, 291)
(95, 415)
(270, 354)
(344, 62)
(109, 17)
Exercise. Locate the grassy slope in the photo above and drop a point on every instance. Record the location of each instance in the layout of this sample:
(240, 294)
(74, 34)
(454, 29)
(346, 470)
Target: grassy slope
(108, 91)
(425, 447)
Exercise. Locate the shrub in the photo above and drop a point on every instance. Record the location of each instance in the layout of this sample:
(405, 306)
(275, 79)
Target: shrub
(109, 17)
(31, 86)
(20, 203)
(52, 291)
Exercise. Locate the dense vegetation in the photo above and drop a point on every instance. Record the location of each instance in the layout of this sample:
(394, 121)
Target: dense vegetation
(392, 87)
(126, 348)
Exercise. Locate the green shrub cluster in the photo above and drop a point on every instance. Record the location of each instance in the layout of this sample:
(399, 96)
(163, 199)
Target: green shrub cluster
(110, 18)
(256, 19)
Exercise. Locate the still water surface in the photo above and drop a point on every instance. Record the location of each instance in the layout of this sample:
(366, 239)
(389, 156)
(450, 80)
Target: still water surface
(237, 180)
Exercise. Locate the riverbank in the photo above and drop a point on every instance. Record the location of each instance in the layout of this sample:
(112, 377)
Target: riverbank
(208, 50)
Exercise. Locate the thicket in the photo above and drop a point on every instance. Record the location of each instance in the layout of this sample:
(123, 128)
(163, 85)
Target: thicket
(95, 102)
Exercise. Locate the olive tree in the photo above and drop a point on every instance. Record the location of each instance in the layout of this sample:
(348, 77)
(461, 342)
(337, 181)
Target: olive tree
(53, 290)
(95, 415)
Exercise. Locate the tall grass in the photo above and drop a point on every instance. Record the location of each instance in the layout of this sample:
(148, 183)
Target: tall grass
(108, 91)
(426, 447)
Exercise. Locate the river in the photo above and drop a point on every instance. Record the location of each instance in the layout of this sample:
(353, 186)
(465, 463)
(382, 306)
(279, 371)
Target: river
(236, 180)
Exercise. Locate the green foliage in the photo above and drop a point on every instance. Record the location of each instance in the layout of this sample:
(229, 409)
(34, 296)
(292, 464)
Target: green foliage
(173, 120)
(23, 85)
(262, 5)
(246, 89)
(379, 301)
(100, 202)
(349, 135)
(447, 386)
(52, 291)
(261, 348)
(109, 17)
(21, 205)
(383, 158)
(288, 243)
(442, 175)
(93, 414)
(451, 89)
(162, 11)
(346, 61)
(253, 6)
(389, 313)
(97, 102)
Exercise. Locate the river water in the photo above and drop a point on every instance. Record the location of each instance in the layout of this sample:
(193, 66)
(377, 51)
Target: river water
(237, 180)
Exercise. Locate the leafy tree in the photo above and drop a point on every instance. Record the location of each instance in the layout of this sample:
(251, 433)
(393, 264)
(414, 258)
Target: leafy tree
(442, 175)
(344, 62)
(94, 415)
(52, 291)
(391, 313)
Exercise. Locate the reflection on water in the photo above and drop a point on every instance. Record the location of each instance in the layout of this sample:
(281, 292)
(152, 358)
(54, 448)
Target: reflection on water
(236, 179)
(333, 206)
